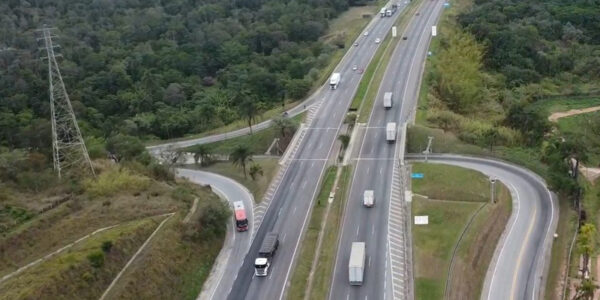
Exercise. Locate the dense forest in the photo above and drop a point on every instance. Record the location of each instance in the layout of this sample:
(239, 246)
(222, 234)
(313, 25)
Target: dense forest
(158, 68)
(497, 62)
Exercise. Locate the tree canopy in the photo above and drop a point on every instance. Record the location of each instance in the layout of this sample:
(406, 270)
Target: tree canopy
(157, 68)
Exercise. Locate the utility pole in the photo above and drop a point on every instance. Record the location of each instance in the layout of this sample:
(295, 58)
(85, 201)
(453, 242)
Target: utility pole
(428, 149)
(68, 148)
(493, 189)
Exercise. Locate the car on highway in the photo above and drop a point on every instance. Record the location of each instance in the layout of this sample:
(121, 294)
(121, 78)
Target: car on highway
(354, 68)
(418, 13)
(404, 37)
(377, 40)
(366, 33)
(355, 44)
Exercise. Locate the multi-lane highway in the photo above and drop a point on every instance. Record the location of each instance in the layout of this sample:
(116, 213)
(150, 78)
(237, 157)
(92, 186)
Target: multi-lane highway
(289, 210)
(237, 243)
(518, 269)
(377, 165)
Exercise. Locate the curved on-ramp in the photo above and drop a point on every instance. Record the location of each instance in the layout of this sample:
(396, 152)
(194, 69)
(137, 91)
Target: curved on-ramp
(236, 243)
(521, 260)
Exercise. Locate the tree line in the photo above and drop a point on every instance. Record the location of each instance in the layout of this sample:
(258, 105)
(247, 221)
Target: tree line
(158, 69)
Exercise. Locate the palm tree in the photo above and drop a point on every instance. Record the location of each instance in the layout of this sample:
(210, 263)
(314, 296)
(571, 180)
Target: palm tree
(240, 156)
(201, 153)
(248, 106)
(256, 169)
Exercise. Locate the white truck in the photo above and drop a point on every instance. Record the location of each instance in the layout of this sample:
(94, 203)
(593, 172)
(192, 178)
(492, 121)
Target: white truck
(369, 198)
(387, 100)
(382, 12)
(265, 254)
(388, 12)
(390, 132)
(334, 80)
(356, 266)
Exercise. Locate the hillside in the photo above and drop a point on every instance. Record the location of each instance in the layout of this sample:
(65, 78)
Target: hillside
(120, 208)
(159, 69)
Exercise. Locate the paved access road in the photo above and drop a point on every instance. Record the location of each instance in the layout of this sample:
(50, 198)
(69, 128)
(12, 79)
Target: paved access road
(288, 212)
(376, 169)
(237, 243)
(519, 267)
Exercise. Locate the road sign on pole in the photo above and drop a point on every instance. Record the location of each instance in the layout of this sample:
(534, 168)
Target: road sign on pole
(417, 175)
(393, 31)
(433, 30)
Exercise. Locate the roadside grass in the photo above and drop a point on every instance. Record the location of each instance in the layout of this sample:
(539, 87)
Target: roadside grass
(368, 87)
(448, 217)
(552, 105)
(172, 266)
(258, 141)
(476, 250)
(579, 126)
(47, 279)
(309, 242)
(433, 243)
(447, 142)
(323, 273)
(257, 187)
(445, 182)
(560, 247)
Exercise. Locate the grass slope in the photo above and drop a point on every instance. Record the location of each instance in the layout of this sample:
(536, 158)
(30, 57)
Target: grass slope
(448, 217)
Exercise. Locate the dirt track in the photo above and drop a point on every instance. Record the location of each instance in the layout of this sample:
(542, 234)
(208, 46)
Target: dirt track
(557, 115)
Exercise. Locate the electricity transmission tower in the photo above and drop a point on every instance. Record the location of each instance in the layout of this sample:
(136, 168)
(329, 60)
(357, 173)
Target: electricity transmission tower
(68, 148)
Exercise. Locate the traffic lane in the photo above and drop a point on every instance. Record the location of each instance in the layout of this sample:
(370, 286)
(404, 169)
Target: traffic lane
(231, 191)
(271, 287)
(532, 198)
(260, 235)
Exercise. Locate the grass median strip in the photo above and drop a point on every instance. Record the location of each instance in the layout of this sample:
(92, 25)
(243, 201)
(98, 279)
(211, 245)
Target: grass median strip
(321, 280)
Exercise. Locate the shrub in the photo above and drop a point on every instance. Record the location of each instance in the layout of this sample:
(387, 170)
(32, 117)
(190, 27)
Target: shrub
(213, 219)
(182, 193)
(96, 259)
(115, 180)
(106, 246)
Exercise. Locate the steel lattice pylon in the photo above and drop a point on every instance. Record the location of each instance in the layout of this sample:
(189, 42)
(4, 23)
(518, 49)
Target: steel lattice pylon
(68, 146)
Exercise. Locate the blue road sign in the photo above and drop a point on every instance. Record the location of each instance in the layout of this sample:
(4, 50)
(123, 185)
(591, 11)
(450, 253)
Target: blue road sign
(446, 5)
(417, 175)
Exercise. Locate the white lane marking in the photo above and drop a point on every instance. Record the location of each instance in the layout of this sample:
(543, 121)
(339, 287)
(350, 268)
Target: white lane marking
(357, 228)
(369, 261)
(512, 226)
(347, 296)
(380, 170)
(283, 238)
(312, 164)
(304, 184)
(294, 210)
(368, 169)
(320, 145)
(373, 229)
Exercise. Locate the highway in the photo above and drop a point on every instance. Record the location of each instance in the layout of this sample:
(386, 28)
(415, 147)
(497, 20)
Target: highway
(290, 208)
(376, 168)
(237, 243)
(522, 257)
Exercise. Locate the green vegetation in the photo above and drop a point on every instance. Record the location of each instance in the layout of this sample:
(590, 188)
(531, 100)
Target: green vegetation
(451, 177)
(450, 210)
(85, 265)
(302, 271)
(257, 187)
(36, 223)
(321, 281)
(585, 129)
(151, 69)
(258, 142)
(498, 69)
(324, 271)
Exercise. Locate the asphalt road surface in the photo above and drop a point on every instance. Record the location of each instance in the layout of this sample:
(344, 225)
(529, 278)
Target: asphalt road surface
(237, 243)
(375, 171)
(289, 211)
(521, 259)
